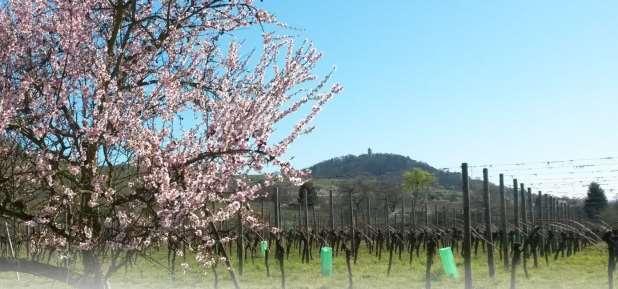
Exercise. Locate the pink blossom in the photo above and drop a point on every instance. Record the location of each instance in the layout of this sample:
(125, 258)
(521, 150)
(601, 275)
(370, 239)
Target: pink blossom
(149, 126)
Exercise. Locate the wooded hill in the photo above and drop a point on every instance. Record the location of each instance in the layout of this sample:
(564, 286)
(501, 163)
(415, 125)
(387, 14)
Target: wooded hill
(385, 167)
(381, 174)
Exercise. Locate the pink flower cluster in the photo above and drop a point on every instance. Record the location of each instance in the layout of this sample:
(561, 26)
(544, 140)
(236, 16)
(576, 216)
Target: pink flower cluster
(148, 117)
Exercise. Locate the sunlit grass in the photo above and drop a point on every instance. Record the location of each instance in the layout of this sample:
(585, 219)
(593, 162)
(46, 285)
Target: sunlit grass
(587, 269)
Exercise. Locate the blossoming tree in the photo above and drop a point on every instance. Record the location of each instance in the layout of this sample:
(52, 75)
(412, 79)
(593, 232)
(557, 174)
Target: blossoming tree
(125, 123)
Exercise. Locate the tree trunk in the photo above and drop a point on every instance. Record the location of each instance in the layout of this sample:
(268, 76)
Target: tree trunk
(53, 273)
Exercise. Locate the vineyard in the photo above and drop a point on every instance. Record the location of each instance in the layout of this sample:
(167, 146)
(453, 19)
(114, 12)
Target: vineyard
(155, 144)
(520, 245)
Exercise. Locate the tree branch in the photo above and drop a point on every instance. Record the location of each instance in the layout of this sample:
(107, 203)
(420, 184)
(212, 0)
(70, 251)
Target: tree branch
(44, 270)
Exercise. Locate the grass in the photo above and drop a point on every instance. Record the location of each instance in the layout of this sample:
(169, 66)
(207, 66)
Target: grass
(586, 270)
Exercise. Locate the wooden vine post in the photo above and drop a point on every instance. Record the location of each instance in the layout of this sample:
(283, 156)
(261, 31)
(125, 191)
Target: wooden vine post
(530, 207)
(386, 211)
(546, 208)
(467, 236)
(611, 238)
(488, 233)
(436, 215)
(240, 245)
(524, 215)
(516, 210)
(332, 211)
(306, 228)
(368, 211)
(426, 209)
(279, 251)
(539, 207)
(352, 229)
(503, 227)
(413, 213)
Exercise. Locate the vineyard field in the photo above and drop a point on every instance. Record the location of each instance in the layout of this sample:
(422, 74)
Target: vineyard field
(586, 270)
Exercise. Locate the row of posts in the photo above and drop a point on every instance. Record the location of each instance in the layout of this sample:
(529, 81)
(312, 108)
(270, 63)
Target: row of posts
(544, 208)
(526, 209)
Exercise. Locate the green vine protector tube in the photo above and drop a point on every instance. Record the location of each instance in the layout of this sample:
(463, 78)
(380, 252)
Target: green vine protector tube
(326, 261)
(448, 262)
(263, 247)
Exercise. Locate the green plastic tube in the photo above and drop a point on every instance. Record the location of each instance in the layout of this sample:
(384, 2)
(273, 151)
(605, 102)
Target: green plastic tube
(326, 261)
(448, 262)
(263, 247)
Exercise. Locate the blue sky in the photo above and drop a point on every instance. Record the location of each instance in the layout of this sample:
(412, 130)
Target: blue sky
(451, 81)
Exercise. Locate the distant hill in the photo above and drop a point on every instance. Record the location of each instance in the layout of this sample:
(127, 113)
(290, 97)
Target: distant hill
(387, 169)
(384, 166)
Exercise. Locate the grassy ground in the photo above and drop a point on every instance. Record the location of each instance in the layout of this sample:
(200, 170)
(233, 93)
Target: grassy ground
(586, 270)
